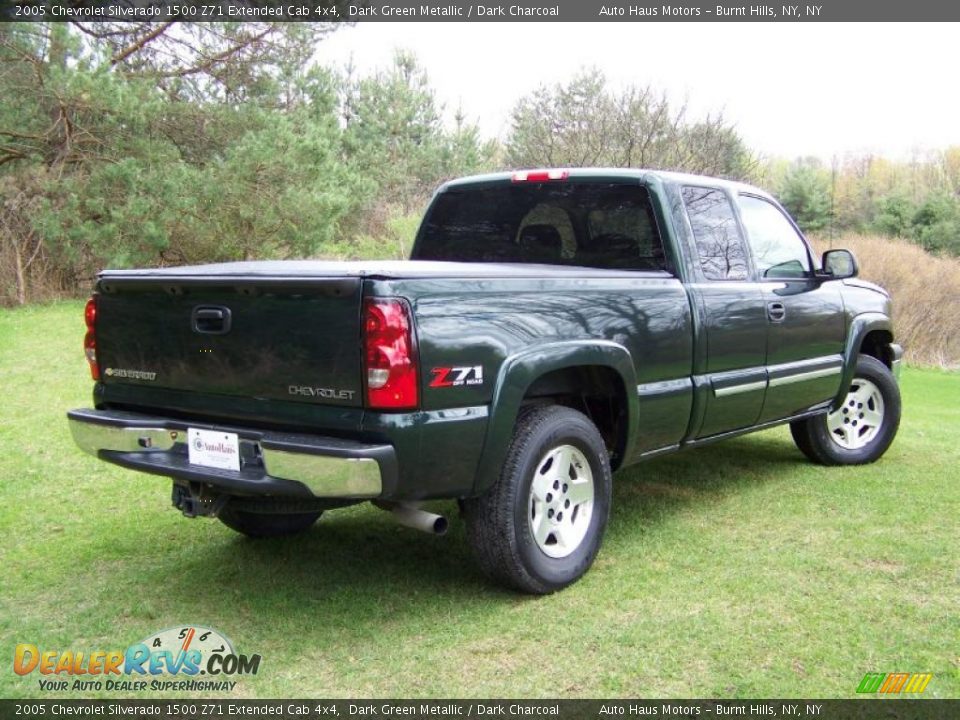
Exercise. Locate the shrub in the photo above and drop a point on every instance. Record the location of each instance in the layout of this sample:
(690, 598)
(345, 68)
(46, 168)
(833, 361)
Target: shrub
(925, 290)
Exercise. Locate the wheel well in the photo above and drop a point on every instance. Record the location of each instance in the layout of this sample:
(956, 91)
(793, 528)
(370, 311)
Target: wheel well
(596, 391)
(876, 344)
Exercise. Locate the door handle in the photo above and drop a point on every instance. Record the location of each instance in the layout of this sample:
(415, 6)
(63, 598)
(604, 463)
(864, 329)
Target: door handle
(776, 311)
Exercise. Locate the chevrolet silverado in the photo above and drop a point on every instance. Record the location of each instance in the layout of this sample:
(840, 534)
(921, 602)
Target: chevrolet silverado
(552, 326)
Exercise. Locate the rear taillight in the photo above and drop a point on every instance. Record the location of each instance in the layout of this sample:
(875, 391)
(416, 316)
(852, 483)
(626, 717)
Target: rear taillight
(90, 341)
(539, 175)
(390, 358)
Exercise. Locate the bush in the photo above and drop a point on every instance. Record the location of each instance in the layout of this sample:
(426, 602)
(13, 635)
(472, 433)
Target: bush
(936, 224)
(925, 289)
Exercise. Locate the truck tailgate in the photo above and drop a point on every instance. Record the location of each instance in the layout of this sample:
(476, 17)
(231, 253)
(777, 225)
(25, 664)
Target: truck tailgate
(296, 341)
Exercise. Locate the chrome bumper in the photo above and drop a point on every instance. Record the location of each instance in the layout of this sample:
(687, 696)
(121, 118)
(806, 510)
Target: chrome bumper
(271, 463)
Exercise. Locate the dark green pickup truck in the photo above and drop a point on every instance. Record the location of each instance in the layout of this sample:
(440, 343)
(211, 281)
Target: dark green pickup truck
(552, 327)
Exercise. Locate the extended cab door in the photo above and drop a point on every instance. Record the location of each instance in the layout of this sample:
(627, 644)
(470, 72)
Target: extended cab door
(804, 315)
(729, 364)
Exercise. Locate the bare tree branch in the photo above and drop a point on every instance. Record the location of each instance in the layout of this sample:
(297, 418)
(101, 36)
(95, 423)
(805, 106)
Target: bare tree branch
(140, 44)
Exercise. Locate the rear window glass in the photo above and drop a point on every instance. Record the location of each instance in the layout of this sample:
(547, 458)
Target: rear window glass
(601, 225)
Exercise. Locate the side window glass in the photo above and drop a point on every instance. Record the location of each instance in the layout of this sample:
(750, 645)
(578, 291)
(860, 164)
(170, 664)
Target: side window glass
(778, 250)
(716, 233)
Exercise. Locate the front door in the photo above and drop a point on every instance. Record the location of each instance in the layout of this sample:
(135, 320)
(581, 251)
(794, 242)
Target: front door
(804, 315)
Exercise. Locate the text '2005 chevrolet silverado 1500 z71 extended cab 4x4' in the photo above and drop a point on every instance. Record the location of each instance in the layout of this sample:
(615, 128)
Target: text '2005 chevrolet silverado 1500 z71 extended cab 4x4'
(552, 326)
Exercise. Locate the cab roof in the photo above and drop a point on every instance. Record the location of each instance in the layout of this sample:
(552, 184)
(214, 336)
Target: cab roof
(642, 175)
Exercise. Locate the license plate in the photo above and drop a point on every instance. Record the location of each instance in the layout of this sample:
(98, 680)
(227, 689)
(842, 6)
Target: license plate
(211, 448)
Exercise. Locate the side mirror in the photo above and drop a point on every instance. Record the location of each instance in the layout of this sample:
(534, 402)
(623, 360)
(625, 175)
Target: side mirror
(839, 264)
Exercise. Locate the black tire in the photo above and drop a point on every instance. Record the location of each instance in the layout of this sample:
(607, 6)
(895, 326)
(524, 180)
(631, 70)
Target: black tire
(815, 439)
(267, 525)
(499, 522)
(801, 438)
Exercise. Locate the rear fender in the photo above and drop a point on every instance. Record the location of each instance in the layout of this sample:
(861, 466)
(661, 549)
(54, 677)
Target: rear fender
(518, 372)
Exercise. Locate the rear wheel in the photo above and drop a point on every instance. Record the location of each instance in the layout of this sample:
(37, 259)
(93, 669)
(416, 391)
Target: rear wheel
(861, 429)
(267, 525)
(539, 528)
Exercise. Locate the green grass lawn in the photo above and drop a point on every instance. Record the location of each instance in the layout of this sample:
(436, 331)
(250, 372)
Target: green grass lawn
(738, 570)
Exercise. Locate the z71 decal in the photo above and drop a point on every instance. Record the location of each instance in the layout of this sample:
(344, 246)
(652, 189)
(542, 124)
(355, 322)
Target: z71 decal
(456, 376)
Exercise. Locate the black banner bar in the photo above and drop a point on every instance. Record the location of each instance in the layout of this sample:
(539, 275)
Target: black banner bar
(193, 709)
(486, 11)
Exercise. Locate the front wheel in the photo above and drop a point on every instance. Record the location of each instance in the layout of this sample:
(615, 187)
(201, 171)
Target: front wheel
(538, 529)
(861, 429)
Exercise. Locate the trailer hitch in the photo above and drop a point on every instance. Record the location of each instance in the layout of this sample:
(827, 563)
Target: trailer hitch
(193, 500)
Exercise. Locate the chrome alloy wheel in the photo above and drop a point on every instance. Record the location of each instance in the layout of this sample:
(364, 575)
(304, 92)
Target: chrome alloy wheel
(561, 501)
(856, 423)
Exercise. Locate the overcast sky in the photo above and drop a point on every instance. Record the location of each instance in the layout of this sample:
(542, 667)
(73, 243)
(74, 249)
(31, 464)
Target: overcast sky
(791, 89)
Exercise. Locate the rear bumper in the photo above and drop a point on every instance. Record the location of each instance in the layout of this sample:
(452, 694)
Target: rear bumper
(272, 463)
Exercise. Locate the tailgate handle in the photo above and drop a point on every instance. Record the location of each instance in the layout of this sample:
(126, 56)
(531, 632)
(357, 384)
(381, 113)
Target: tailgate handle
(210, 319)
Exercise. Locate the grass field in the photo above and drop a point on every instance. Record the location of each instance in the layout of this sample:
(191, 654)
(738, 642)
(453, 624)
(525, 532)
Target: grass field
(738, 570)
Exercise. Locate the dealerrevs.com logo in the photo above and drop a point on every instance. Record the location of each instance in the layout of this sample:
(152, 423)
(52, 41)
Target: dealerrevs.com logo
(188, 658)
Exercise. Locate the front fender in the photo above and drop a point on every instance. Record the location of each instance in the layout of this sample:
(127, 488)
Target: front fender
(860, 327)
(519, 371)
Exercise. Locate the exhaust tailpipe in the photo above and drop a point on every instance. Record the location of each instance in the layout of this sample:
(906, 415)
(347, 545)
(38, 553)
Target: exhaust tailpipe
(411, 516)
